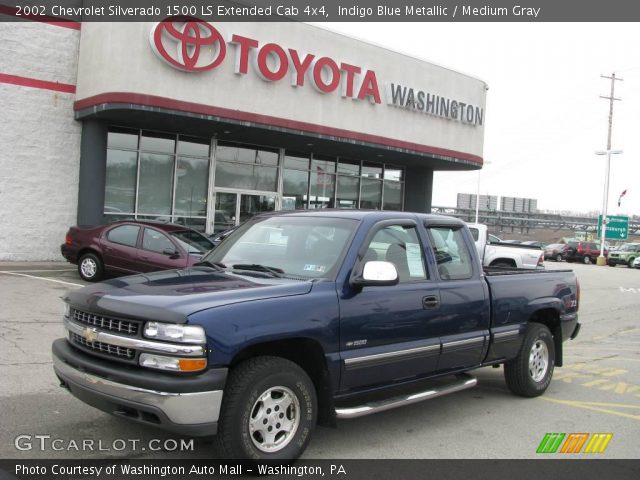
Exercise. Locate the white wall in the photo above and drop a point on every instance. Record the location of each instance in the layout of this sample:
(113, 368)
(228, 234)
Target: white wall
(40, 141)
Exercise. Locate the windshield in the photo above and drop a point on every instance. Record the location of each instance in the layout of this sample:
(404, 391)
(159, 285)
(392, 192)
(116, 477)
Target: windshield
(193, 242)
(629, 247)
(298, 246)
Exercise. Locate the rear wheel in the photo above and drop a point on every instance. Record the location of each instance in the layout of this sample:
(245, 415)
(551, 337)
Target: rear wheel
(90, 267)
(269, 410)
(587, 260)
(558, 258)
(630, 262)
(529, 374)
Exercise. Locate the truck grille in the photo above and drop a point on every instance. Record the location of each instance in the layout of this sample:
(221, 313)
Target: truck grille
(128, 327)
(104, 348)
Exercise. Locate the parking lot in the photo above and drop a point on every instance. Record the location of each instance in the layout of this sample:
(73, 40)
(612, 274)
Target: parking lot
(597, 391)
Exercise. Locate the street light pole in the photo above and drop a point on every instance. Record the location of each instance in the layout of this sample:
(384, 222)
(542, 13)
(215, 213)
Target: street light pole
(601, 259)
(478, 193)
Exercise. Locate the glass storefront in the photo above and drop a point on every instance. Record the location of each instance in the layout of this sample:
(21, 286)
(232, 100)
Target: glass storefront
(212, 186)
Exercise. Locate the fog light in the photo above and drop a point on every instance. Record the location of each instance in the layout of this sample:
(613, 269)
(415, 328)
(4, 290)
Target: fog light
(174, 364)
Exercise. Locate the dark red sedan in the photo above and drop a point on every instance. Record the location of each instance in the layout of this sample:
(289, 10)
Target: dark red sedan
(132, 246)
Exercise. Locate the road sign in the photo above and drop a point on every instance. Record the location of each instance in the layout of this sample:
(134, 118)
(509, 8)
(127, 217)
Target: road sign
(617, 227)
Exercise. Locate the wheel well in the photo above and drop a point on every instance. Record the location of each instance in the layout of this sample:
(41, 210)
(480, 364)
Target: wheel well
(550, 318)
(509, 261)
(88, 250)
(309, 355)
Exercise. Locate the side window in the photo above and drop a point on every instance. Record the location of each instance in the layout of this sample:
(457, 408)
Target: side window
(124, 235)
(156, 241)
(400, 246)
(452, 255)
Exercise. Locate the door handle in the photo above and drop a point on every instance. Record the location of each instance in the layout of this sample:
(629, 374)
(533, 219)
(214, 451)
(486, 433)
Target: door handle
(144, 257)
(432, 301)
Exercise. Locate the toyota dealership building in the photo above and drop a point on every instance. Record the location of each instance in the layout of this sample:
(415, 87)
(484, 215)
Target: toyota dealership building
(206, 124)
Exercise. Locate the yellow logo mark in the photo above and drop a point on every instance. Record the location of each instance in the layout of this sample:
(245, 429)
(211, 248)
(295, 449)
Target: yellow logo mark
(598, 443)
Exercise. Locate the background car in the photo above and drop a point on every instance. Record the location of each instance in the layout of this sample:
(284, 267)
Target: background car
(132, 246)
(554, 251)
(636, 263)
(535, 243)
(624, 255)
(587, 252)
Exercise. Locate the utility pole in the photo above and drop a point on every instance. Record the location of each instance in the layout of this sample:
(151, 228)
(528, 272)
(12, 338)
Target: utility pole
(601, 260)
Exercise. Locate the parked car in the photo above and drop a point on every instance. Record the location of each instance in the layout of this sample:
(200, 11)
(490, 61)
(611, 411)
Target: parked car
(636, 263)
(503, 254)
(586, 252)
(624, 255)
(555, 251)
(535, 243)
(132, 246)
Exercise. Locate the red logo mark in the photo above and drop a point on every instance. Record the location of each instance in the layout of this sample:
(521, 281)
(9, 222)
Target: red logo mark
(188, 44)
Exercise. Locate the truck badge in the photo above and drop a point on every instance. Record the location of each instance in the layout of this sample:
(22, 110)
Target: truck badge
(90, 334)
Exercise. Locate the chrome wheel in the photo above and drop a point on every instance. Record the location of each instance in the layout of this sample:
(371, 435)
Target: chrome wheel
(538, 360)
(89, 267)
(558, 258)
(274, 420)
(587, 260)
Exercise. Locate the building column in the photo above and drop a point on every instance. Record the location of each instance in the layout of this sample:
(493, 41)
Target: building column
(418, 189)
(93, 172)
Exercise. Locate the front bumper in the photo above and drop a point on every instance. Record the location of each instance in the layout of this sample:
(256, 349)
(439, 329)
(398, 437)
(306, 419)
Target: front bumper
(188, 405)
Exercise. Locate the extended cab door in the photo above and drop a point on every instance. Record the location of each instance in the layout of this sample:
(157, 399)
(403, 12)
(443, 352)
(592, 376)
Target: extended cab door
(389, 333)
(464, 298)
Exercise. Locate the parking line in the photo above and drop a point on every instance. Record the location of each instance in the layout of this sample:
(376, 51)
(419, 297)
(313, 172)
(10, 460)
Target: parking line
(596, 407)
(36, 271)
(42, 278)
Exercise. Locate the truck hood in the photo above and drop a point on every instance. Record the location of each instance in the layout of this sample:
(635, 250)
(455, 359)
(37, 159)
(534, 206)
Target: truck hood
(173, 295)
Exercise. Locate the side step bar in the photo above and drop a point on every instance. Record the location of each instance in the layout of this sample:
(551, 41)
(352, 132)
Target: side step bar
(463, 381)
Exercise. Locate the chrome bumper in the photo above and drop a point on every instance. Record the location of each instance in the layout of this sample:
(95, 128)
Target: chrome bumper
(180, 409)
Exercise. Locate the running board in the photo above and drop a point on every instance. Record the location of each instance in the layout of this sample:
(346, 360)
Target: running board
(463, 381)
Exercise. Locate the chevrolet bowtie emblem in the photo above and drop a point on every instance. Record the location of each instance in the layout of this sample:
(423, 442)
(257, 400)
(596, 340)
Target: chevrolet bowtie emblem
(90, 334)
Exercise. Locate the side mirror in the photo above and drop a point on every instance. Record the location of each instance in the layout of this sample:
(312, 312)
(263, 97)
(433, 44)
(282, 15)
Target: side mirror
(376, 273)
(171, 252)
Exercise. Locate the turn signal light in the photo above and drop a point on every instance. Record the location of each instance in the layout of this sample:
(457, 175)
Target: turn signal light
(192, 364)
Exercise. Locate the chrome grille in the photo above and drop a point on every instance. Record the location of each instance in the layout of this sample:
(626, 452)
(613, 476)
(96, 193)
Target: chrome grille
(128, 327)
(105, 348)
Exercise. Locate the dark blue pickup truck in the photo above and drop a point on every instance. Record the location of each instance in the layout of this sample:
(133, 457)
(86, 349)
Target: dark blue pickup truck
(300, 318)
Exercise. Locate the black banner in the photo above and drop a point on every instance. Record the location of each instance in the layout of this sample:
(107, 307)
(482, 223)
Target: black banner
(325, 10)
(115, 469)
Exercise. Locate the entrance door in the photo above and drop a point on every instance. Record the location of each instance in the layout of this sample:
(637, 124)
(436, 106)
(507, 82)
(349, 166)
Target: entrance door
(234, 208)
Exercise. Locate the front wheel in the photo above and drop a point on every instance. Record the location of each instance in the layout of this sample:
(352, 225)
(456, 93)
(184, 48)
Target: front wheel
(529, 374)
(587, 260)
(630, 262)
(269, 410)
(558, 258)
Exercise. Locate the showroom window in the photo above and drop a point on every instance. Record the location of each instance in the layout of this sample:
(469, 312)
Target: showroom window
(244, 167)
(156, 176)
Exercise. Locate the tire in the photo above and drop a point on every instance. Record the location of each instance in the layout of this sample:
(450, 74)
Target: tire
(90, 267)
(612, 264)
(586, 260)
(529, 374)
(558, 258)
(630, 262)
(256, 389)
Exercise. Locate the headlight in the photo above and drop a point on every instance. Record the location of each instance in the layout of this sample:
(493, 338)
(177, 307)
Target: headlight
(172, 332)
(174, 364)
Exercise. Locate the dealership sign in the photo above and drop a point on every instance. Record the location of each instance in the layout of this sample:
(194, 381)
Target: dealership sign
(192, 45)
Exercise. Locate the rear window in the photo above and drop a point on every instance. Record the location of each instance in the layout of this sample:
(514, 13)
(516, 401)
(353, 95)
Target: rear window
(124, 235)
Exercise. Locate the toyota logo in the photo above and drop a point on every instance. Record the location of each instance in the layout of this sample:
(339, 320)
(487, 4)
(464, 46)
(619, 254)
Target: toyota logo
(188, 44)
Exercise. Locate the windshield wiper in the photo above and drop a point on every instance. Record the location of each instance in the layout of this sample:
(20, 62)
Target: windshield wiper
(217, 266)
(276, 272)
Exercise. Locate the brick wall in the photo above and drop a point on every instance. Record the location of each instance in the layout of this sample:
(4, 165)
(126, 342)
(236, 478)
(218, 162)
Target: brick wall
(39, 139)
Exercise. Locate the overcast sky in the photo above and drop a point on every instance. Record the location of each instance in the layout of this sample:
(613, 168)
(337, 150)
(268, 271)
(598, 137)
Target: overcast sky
(544, 117)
